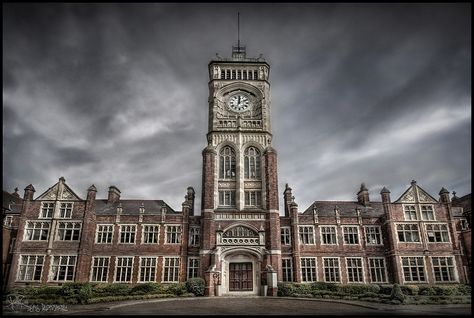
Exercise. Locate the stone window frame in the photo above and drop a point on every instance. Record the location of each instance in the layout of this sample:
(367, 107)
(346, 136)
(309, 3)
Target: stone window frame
(66, 211)
(134, 232)
(426, 225)
(432, 212)
(129, 268)
(321, 227)
(7, 222)
(29, 266)
(257, 202)
(311, 236)
(287, 235)
(175, 268)
(156, 234)
(149, 269)
(334, 269)
(227, 160)
(453, 267)
(60, 268)
(415, 211)
(68, 231)
(49, 209)
(344, 227)
(360, 270)
(222, 198)
(404, 230)
(193, 268)
(41, 229)
(173, 237)
(103, 268)
(377, 268)
(417, 266)
(287, 271)
(368, 235)
(253, 156)
(194, 236)
(109, 233)
(313, 269)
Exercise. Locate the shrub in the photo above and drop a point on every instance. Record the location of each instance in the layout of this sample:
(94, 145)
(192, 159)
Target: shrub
(385, 289)
(196, 286)
(285, 289)
(397, 294)
(116, 290)
(427, 291)
(176, 289)
(410, 290)
(464, 290)
(359, 289)
(146, 288)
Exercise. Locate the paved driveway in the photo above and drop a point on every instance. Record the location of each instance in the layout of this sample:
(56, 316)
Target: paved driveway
(273, 306)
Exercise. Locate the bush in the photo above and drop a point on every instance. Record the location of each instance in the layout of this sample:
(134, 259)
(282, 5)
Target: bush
(427, 291)
(355, 289)
(115, 290)
(397, 294)
(176, 289)
(285, 289)
(147, 288)
(195, 286)
(464, 290)
(410, 290)
(385, 289)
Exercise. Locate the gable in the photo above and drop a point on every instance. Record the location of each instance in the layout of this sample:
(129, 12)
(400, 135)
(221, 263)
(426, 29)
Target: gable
(409, 196)
(54, 193)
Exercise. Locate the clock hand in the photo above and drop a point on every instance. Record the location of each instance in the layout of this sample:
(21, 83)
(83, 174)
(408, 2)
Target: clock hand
(239, 100)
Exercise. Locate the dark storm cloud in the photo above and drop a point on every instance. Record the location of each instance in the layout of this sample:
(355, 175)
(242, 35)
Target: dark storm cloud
(117, 94)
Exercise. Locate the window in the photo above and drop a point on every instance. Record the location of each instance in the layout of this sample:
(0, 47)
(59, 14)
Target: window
(240, 231)
(306, 235)
(443, 268)
(437, 233)
(285, 235)
(233, 74)
(227, 74)
(253, 198)
(427, 212)
(193, 267)
(63, 268)
(239, 75)
(227, 163)
(65, 210)
(287, 269)
(8, 221)
(354, 270)
(30, 268)
(127, 234)
(147, 269)
(464, 224)
(252, 163)
(328, 235)
(413, 269)
(69, 231)
(408, 233)
(244, 75)
(250, 75)
(373, 235)
(47, 210)
(255, 75)
(331, 270)
(227, 198)
(410, 213)
(105, 233)
(351, 235)
(100, 269)
(377, 270)
(308, 269)
(173, 234)
(123, 270)
(194, 236)
(37, 231)
(222, 74)
(151, 234)
(171, 270)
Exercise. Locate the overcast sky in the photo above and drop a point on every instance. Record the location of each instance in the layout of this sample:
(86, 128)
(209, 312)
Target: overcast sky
(116, 94)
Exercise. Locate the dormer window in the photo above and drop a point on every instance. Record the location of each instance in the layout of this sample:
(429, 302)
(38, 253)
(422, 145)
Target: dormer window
(47, 210)
(65, 210)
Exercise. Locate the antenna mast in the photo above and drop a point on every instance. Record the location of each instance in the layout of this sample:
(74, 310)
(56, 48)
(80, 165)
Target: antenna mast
(238, 30)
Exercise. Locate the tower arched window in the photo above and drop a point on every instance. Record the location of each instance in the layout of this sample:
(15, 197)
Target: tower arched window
(227, 163)
(252, 163)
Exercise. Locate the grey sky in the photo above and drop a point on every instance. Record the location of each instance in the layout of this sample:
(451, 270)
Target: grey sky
(116, 94)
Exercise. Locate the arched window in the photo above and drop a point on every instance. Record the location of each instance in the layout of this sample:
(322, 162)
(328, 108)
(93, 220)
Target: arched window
(252, 163)
(240, 231)
(227, 163)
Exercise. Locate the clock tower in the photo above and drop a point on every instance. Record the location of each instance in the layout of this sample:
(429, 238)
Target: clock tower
(240, 217)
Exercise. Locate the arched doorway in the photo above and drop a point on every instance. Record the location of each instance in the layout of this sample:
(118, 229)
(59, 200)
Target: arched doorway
(241, 272)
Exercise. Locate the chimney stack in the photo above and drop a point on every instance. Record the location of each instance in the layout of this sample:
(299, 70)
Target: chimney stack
(363, 195)
(114, 195)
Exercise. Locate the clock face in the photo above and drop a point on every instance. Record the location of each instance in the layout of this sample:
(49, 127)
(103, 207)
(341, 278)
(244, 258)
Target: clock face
(239, 103)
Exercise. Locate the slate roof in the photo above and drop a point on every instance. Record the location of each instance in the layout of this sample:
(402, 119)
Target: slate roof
(463, 202)
(11, 203)
(346, 208)
(131, 207)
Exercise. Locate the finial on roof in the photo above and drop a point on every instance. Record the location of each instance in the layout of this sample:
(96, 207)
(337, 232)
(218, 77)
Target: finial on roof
(92, 188)
(384, 190)
(363, 187)
(62, 179)
(443, 191)
(413, 182)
